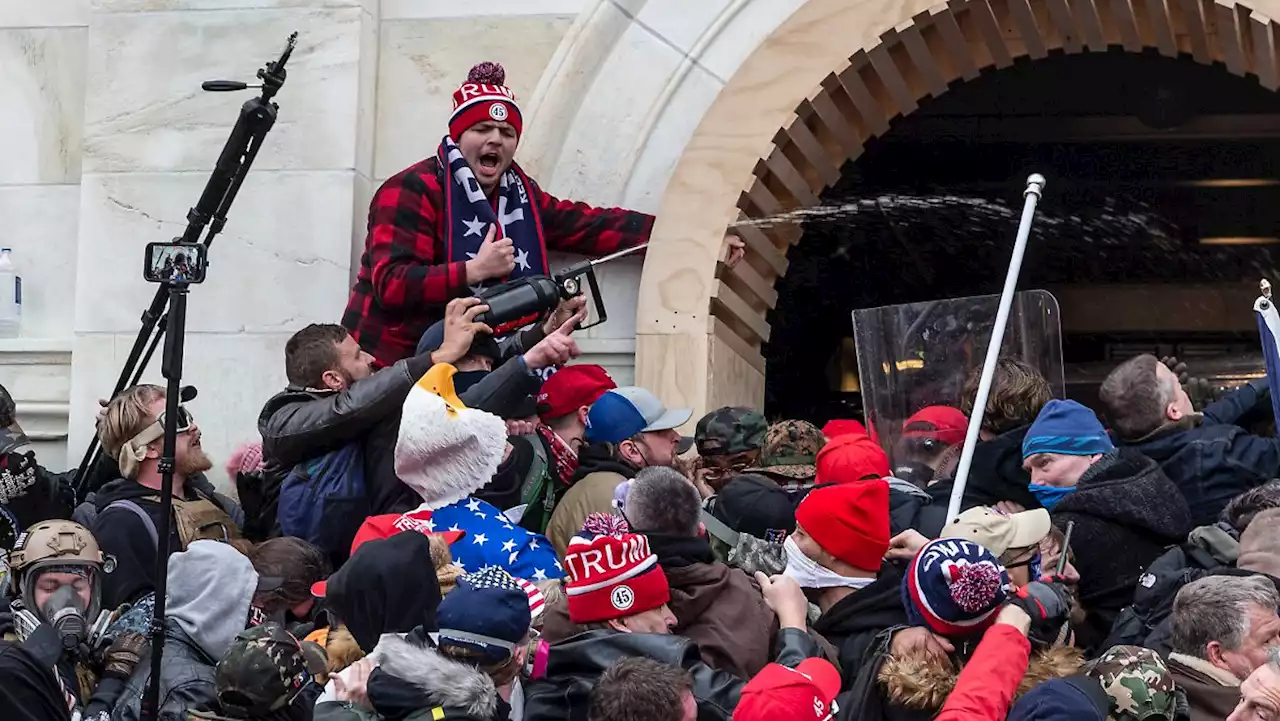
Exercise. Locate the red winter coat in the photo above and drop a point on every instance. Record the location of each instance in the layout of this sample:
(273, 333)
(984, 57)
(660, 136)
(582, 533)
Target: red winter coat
(405, 279)
(984, 691)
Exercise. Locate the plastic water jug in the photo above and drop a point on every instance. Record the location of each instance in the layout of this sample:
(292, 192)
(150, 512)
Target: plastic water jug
(10, 296)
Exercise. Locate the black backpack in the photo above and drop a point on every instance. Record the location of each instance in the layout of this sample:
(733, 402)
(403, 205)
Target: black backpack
(1157, 587)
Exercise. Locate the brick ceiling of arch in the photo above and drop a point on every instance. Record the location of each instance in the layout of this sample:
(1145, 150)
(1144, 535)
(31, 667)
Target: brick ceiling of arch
(954, 42)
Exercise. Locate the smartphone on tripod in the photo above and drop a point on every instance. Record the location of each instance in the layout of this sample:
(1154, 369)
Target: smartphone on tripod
(175, 263)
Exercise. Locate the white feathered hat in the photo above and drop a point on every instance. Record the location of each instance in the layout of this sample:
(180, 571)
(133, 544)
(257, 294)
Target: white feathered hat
(446, 451)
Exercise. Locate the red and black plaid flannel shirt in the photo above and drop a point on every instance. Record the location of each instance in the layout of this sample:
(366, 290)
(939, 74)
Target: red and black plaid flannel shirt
(405, 279)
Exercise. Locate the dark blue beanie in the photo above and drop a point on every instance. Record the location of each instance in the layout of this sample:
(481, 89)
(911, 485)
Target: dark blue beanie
(482, 344)
(1075, 698)
(1068, 428)
(486, 612)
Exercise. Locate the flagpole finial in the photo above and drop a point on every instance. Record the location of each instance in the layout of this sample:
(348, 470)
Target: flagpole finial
(1266, 288)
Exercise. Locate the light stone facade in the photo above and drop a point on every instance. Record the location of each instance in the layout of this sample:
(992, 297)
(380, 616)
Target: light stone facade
(108, 140)
(696, 111)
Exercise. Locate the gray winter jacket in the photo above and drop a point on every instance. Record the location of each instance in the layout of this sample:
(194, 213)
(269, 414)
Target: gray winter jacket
(210, 588)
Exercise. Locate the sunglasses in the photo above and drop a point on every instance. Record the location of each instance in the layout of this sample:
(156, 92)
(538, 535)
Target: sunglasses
(155, 431)
(185, 421)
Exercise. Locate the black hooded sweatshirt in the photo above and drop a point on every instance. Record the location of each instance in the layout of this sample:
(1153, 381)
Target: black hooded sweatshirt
(995, 475)
(387, 586)
(124, 536)
(28, 689)
(854, 622)
(598, 458)
(1126, 513)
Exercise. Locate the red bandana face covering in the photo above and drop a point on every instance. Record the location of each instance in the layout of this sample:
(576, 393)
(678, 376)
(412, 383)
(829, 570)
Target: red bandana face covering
(565, 458)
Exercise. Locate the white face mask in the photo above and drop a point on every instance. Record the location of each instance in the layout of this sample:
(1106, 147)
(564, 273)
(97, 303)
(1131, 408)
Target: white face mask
(810, 574)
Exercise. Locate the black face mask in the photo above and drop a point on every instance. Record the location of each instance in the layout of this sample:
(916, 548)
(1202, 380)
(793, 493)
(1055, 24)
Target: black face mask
(462, 380)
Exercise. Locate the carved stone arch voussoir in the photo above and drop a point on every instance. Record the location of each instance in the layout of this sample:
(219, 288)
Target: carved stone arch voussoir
(706, 353)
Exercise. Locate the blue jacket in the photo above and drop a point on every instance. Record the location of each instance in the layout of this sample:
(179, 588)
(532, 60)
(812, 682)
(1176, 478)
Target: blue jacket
(1215, 461)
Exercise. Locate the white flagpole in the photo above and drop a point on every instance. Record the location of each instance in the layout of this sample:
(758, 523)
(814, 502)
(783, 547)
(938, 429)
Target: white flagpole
(1035, 186)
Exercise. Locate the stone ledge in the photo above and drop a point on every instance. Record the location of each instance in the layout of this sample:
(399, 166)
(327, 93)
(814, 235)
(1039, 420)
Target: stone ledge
(37, 372)
(33, 350)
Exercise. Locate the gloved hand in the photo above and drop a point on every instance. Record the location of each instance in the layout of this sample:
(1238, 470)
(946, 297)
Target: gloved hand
(123, 656)
(1201, 391)
(1179, 368)
(1049, 606)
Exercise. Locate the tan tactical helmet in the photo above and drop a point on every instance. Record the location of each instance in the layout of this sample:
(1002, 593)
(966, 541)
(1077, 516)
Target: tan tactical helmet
(70, 550)
(57, 541)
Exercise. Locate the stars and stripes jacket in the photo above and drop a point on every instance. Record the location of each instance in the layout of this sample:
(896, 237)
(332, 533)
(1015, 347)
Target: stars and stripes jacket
(405, 278)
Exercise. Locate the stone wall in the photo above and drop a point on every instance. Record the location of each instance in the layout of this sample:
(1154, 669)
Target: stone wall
(109, 140)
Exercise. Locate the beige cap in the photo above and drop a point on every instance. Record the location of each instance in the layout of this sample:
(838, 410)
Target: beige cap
(998, 533)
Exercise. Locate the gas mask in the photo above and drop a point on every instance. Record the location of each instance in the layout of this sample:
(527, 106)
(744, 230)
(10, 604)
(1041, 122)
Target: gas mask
(65, 607)
(65, 610)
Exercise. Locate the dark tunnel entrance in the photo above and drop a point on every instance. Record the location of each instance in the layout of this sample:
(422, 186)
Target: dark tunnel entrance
(1160, 216)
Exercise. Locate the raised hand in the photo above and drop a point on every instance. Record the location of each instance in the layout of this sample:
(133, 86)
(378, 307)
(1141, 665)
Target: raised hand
(557, 348)
(496, 259)
(460, 328)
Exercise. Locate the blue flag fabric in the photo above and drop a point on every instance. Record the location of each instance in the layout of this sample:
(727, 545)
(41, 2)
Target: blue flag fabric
(493, 540)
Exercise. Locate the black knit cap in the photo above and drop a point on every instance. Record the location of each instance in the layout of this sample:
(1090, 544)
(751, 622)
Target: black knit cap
(755, 505)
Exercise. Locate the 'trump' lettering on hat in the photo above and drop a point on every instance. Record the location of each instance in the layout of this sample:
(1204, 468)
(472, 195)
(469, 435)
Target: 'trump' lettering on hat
(633, 550)
(470, 91)
(947, 549)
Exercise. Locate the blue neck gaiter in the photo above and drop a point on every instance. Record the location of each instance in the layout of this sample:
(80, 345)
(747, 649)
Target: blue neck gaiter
(1050, 495)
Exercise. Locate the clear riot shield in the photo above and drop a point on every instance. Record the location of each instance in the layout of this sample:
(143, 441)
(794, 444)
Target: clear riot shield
(917, 355)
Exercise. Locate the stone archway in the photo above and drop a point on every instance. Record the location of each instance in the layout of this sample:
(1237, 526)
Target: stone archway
(780, 130)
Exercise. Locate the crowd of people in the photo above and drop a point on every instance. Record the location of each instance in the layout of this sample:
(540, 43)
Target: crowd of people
(438, 521)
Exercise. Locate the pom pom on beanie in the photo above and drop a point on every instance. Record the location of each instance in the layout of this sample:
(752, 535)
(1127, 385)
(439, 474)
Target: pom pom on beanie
(489, 73)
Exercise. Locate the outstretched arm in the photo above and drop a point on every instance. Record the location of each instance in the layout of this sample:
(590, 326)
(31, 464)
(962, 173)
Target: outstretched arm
(580, 228)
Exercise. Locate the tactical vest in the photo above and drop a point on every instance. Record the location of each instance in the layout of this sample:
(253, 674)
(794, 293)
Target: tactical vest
(201, 520)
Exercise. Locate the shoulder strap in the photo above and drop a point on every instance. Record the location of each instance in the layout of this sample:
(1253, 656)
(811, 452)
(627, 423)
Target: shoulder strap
(137, 511)
(536, 475)
(717, 528)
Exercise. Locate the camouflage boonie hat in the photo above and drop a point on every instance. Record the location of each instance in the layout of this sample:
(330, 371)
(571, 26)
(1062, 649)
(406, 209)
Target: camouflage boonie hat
(730, 430)
(265, 669)
(1139, 684)
(791, 450)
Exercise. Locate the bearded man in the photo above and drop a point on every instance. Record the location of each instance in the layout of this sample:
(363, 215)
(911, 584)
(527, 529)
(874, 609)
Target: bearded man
(128, 510)
(468, 218)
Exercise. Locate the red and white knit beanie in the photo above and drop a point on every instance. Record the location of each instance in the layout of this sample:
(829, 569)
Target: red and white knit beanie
(612, 577)
(484, 97)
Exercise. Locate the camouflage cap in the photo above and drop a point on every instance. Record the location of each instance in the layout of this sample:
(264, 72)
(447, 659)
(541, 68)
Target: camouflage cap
(791, 450)
(1139, 684)
(730, 430)
(265, 669)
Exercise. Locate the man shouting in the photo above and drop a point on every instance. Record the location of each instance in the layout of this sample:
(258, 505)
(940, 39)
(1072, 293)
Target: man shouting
(467, 218)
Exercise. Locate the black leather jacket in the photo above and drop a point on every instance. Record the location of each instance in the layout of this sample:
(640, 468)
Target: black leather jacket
(301, 423)
(576, 663)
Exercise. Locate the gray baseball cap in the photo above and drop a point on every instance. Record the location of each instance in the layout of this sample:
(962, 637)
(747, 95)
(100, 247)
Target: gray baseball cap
(623, 412)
